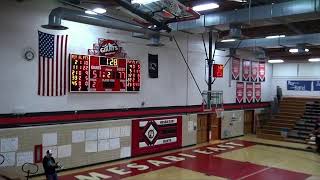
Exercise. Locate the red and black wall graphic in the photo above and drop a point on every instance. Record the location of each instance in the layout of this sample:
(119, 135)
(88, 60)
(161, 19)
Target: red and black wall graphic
(239, 92)
(156, 134)
(262, 71)
(235, 68)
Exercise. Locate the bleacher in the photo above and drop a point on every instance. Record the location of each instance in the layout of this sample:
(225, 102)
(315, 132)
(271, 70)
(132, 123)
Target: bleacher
(294, 121)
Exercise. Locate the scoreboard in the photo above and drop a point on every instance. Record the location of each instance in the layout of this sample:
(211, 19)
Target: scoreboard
(103, 74)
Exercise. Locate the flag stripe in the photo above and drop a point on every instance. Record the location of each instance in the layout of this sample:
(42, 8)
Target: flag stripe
(39, 75)
(65, 65)
(61, 65)
(57, 67)
(48, 77)
(43, 75)
(52, 76)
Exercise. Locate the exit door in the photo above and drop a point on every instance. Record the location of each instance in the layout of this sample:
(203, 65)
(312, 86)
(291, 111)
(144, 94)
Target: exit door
(248, 121)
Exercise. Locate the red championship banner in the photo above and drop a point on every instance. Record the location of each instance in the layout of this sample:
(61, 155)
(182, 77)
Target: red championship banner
(156, 134)
(239, 92)
(235, 68)
(218, 70)
(246, 70)
(249, 92)
(262, 71)
(257, 92)
(254, 71)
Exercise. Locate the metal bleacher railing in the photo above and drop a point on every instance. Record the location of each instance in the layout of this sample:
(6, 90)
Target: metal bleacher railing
(30, 169)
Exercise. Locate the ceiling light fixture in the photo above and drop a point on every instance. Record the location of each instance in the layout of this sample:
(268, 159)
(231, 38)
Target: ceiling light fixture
(204, 7)
(228, 40)
(294, 50)
(298, 50)
(275, 36)
(314, 60)
(275, 61)
(90, 12)
(143, 1)
(99, 10)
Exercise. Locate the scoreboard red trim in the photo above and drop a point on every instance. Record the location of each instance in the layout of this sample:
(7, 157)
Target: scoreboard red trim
(138, 135)
(91, 91)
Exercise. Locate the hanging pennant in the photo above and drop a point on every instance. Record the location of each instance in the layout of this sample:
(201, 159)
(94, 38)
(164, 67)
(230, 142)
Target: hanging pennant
(235, 68)
(254, 71)
(249, 92)
(239, 92)
(257, 92)
(262, 71)
(246, 70)
(153, 65)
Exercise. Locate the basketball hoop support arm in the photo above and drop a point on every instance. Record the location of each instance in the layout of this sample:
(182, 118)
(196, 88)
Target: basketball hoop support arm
(210, 62)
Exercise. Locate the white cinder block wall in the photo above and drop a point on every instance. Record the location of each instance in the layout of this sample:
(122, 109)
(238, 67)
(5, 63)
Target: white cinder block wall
(174, 87)
(294, 71)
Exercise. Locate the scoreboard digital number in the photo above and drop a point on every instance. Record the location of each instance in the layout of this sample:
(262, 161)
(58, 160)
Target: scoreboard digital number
(103, 74)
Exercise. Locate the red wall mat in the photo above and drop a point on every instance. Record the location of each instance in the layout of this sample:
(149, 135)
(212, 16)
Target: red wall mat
(151, 135)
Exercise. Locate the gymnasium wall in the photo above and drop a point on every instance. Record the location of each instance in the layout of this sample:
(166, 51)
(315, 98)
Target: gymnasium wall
(78, 144)
(174, 87)
(294, 71)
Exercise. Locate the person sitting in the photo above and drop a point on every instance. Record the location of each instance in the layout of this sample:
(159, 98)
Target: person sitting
(317, 135)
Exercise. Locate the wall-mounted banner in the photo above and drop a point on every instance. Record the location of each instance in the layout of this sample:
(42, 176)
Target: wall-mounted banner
(257, 92)
(299, 85)
(235, 68)
(239, 92)
(108, 48)
(246, 70)
(262, 71)
(218, 70)
(156, 134)
(153, 65)
(249, 92)
(254, 71)
(316, 85)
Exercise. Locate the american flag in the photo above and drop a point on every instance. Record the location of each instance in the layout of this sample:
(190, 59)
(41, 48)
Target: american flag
(52, 77)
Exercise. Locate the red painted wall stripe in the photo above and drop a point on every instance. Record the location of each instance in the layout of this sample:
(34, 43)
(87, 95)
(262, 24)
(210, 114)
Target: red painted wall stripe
(59, 118)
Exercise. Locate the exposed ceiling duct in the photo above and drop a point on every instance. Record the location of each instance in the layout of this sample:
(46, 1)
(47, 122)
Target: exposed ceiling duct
(288, 41)
(235, 31)
(292, 11)
(61, 13)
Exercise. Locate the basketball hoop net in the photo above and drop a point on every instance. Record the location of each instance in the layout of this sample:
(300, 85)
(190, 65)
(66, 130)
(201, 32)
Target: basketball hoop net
(219, 112)
(215, 102)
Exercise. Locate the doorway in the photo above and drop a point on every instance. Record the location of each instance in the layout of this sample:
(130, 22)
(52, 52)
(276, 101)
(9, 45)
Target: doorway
(248, 121)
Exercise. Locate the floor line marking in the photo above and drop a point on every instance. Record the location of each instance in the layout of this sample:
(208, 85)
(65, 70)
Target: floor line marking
(257, 172)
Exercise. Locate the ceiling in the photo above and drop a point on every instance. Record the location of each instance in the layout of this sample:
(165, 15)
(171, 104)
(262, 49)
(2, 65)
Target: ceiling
(228, 5)
(305, 25)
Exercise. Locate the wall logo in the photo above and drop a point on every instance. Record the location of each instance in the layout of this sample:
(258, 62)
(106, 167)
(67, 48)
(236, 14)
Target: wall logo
(151, 133)
(108, 48)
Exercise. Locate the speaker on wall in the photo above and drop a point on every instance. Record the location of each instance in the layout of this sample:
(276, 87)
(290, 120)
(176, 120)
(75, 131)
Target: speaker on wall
(153, 65)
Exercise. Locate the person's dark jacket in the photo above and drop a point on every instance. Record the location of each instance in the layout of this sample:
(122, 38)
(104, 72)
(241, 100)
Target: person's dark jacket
(49, 165)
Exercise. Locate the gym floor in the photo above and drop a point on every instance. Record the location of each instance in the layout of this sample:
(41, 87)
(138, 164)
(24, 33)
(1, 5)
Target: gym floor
(247, 157)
